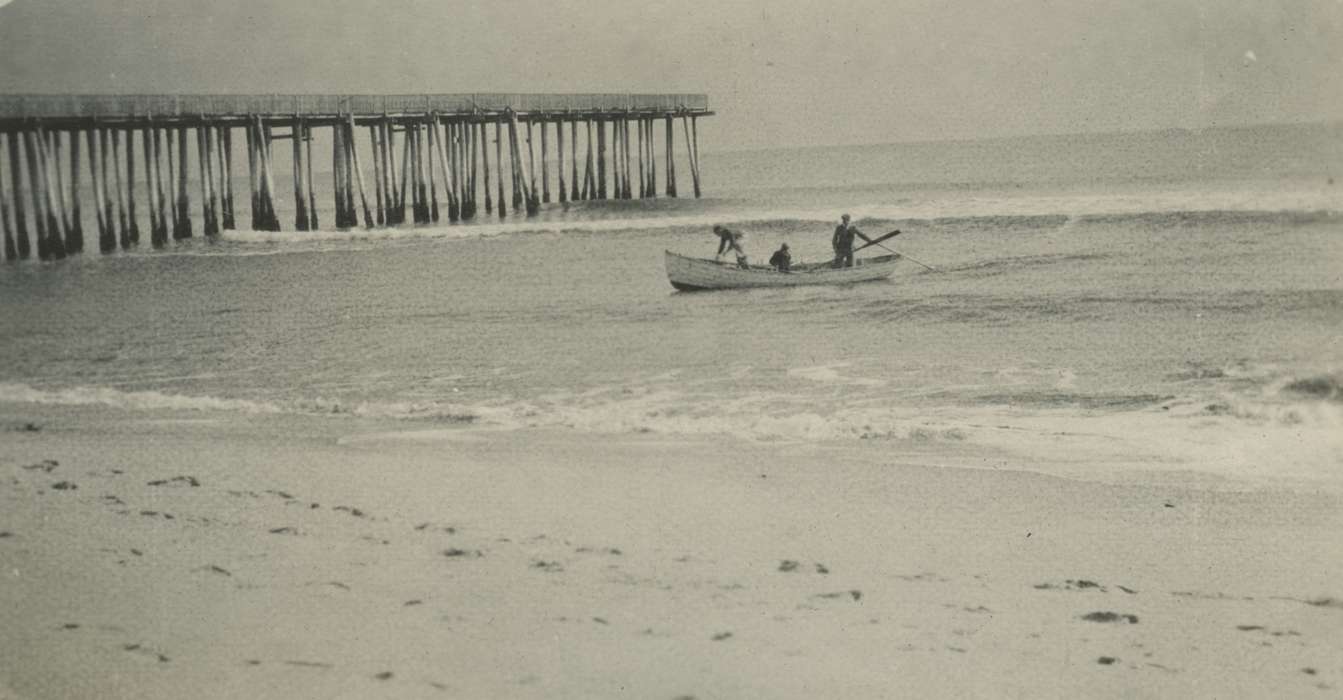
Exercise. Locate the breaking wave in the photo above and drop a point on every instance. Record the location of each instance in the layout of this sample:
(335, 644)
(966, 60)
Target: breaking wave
(154, 400)
(805, 417)
(1326, 387)
(1001, 215)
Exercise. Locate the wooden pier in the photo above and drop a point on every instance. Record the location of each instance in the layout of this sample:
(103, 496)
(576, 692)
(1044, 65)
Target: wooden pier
(442, 143)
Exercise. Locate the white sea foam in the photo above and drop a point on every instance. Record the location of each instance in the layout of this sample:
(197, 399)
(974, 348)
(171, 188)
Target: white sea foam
(1268, 436)
(159, 401)
(830, 374)
(1070, 205)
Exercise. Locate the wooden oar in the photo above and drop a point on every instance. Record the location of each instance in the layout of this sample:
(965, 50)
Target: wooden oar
(877, 240)
(930, 267)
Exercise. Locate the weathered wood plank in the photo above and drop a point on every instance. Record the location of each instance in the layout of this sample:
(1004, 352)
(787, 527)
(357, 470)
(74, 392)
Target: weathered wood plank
(168, 107)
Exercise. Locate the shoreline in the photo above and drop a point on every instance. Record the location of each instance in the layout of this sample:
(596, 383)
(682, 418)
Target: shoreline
(291, 558)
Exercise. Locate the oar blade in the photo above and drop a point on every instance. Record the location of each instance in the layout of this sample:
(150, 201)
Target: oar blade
(878, 240)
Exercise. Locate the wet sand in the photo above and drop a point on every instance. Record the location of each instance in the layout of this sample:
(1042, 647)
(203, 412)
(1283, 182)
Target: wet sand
(220, 556)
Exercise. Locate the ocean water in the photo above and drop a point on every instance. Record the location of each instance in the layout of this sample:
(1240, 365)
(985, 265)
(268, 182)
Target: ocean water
(1177, 288)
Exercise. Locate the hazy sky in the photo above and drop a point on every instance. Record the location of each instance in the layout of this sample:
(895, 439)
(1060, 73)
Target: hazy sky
(786, 73)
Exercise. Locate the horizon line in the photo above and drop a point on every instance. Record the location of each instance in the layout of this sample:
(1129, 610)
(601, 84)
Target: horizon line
(1330, 122)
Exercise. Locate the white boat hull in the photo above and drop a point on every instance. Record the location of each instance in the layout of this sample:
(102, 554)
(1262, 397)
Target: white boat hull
(696, 274)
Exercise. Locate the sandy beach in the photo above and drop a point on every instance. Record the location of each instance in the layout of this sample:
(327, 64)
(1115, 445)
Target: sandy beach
(145, 555)
(349, 350)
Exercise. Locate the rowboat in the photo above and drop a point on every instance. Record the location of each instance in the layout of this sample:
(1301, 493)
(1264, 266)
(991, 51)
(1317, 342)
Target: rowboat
(696, 274)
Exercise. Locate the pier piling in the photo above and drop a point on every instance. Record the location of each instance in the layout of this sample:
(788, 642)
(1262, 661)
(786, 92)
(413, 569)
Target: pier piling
(499, 168)
(533, 202)
(133, 235)
(573, 160)
(226, 177)
(11, 250)
(559, 158)
(545, 169)
(431, 153)
(472, 180)
(183, 228)
(75, 242)
(97, 173)
(601, 159)
(358, 172)
(158, 236)
(300, 193)
(56, 186)
(447, 142)
(670, 143)
(21, 241)
(37, 193)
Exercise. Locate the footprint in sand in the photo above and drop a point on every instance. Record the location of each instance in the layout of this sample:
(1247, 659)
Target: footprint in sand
(1324, 602)
(137, 648)
(1080, 585)
(305, 664)
(1106, 616)
(1208, 596)
(927, 576)
(328, 584)
(856, 595)
(176, 481)
(613, 551)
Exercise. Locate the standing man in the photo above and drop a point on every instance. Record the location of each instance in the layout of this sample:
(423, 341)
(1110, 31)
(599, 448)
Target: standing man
(842, 242)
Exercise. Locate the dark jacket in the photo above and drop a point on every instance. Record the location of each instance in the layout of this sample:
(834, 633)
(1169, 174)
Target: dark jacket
(781, 260)
(843, 238)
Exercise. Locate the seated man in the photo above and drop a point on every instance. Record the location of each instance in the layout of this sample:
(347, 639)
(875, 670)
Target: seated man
(782, 260)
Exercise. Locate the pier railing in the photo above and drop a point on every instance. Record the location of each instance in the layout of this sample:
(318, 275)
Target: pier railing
(168, 107)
